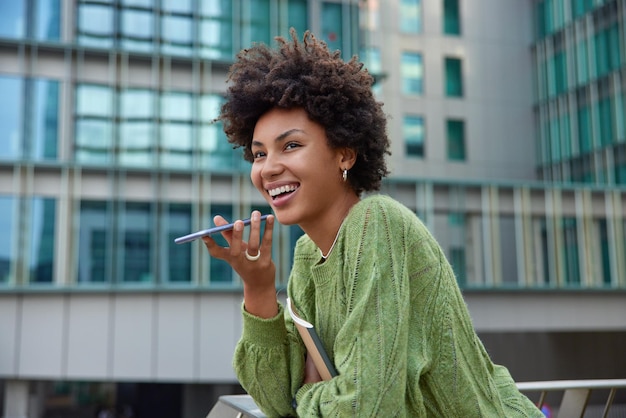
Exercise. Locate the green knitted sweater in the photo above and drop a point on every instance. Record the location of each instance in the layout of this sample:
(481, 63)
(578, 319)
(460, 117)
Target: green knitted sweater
(391, 316)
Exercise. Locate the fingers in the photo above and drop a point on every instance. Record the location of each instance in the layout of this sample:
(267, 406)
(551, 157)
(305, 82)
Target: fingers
(254, 241)
(235, 238)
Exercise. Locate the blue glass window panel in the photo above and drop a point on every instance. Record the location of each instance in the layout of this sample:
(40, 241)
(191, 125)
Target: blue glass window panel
(94, 100)
(607, 121)
(177, 257)
(412, 70)
(216, 29)
(454, 77)
(137, 104)
(176, 32)
(95, 25)
(48, 20)
(260, 21)
(216, 39)
(45, 119)
(584, 129)
(215, 150)
(137, 30)
(451, 17)
(413, 132)
(12, 19)
(410, 16)
(372, 61)
(570, 256)
(42, 227)
(136, 143)
(210, 105)
(12, 89)
(456, 139)
(136, 234)
(7, 251)
(94, 242)
(176, 145)
(332, 25)
(297, 16)
(176, 106)
(176, 6)
(582, 62)
(94, 141)
(149, 4)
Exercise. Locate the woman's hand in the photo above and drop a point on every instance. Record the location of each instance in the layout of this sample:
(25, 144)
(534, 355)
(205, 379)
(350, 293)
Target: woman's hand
(258, 274)
(311, 375)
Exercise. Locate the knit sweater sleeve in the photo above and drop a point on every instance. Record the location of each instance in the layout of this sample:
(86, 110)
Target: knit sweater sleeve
(269, 363)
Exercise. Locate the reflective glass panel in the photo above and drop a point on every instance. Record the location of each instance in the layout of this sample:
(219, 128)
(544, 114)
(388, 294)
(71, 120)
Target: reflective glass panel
(177, 257)
(332, 25)
(176, 106)
(94, 141)
(176, 6)
(176, 141)
(139, 3)
(215, 150)
(12, 19)
(94, 100)
(137, 104)
(176, 32)
(451, 17)
(94, 242)
(260, 21)
(454, 77)
(136, 234)
(45, 120)
(42, 227)
(7, 251)
(137, 29)
(216, 29)
(412, 73)
(136, 143)
(456, 139)
(570, 256)
(48, 20)
(410, 16)
(95, 25)
(11, 117)
(413, 131)
(297, 16)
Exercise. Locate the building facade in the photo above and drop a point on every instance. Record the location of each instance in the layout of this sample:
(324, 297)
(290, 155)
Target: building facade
(507, 127)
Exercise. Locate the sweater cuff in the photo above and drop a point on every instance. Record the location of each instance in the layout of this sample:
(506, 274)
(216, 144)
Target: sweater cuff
(267, 332)
(302, 392)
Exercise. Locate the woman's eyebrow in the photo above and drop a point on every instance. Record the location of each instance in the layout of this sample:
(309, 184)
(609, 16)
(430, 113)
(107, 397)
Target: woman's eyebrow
(279, 138)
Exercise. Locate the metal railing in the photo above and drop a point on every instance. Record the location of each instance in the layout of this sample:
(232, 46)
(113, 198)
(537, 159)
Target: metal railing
(574, 402)
(576, 394)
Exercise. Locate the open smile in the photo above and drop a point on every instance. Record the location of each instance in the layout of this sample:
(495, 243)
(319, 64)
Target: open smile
(290, 188)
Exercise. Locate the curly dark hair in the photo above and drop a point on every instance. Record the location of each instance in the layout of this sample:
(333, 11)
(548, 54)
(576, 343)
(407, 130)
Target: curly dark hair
(334, 93)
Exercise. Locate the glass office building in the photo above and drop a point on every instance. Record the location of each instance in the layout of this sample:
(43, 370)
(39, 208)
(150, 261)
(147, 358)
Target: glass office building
(508, 142)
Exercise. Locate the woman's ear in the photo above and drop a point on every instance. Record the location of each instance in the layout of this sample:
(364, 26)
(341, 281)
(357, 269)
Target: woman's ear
(347, 158)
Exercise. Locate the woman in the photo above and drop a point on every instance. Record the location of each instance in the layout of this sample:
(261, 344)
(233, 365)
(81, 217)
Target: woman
(367, 273)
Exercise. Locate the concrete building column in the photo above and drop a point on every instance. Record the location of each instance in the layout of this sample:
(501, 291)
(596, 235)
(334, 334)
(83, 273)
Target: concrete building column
(16, 399)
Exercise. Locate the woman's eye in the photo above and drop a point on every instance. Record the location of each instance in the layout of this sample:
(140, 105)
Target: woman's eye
(258, 154)
(291, 145)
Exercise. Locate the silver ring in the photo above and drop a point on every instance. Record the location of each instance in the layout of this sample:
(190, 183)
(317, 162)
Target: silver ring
(252, 257)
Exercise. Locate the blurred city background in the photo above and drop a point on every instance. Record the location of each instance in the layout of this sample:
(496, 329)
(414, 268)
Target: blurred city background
(508, 129)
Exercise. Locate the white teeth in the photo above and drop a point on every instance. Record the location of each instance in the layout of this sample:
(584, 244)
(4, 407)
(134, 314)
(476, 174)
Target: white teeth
(282, 189)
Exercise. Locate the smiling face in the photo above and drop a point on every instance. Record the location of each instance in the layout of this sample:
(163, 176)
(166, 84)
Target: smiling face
(297, 171)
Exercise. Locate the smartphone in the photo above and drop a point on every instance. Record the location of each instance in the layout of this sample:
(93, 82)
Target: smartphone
(211, 231)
